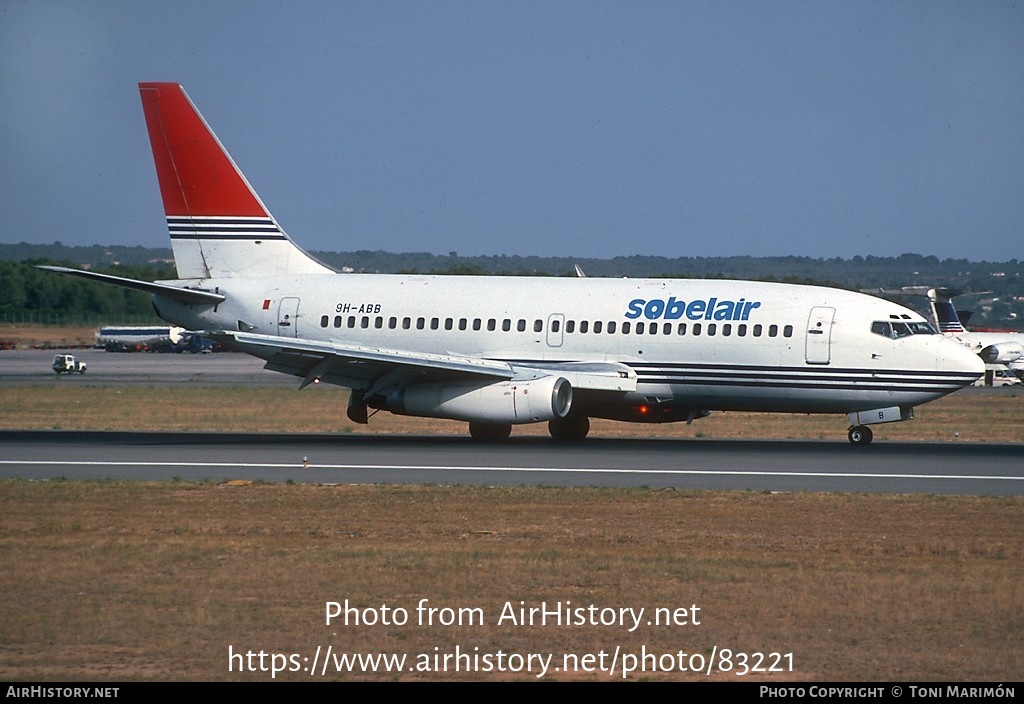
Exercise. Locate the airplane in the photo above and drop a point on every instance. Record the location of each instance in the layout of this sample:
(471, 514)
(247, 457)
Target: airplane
(501, 351)
(995, 348)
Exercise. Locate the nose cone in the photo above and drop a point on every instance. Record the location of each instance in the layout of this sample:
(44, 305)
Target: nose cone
(958, 361)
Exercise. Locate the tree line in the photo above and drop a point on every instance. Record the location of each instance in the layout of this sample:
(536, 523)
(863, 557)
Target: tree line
(28, 293)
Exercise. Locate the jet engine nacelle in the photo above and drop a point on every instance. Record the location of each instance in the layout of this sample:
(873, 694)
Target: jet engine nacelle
(530, 401)
(1003, 353)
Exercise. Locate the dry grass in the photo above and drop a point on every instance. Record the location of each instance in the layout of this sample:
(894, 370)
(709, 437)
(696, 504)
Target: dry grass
(27, 335)
(970, 415)
(126, 581)
(137, 581)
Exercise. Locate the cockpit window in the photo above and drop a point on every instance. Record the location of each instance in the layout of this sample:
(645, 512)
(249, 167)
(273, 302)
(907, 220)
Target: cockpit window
(901, 329)
(881, 328)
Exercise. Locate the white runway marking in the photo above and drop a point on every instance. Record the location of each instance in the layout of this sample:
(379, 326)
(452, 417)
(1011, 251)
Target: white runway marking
(480, 468)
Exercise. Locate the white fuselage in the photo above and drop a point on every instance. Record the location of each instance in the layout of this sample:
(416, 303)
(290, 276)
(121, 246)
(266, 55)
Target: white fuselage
(694, 344)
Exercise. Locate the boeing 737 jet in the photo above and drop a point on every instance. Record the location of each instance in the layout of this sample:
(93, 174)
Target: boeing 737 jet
(500, 351)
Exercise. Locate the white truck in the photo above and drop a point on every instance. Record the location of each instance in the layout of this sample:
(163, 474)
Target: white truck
(998, 375)
(68, 363)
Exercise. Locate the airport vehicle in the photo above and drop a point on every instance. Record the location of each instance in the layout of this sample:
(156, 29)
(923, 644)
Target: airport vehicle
(998, 375)
(500, 351)
(68, 364)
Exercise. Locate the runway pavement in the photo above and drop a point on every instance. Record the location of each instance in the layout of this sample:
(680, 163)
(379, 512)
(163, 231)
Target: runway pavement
(935, 468)
(965, 469)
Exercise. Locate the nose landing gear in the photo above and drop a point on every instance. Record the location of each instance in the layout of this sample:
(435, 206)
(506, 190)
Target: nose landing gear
(860, 435)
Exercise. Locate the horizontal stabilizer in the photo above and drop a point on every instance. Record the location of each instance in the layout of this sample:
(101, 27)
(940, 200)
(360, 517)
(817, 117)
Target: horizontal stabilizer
(176, 293)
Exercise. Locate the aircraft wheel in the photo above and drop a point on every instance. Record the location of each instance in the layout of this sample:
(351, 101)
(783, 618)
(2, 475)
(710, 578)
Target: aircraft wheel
(572, 428)
(490, 432)
(861, 435)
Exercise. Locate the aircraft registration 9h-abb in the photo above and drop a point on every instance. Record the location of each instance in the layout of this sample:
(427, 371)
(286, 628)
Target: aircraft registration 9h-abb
(500, 351)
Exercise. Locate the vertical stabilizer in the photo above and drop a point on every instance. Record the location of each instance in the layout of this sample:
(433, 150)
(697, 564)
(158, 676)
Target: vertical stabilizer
(218, 226)
(945, 314)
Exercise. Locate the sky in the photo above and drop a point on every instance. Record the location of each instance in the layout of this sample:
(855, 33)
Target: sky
(551, 128)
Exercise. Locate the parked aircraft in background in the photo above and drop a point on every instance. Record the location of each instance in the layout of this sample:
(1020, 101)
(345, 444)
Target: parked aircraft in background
(499, 351)
(124, 338)
(996, 349)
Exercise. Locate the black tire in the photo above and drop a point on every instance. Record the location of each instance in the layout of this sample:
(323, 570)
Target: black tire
(490, 432)
(572, 428)
(861, 435)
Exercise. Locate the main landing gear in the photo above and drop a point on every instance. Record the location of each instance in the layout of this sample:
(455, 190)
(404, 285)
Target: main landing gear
(569, 429)
(490, 432)
(572, 428)
(860, 435)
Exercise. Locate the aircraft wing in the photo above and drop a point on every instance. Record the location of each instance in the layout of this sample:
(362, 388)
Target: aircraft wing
(595, 376)
(375, 370)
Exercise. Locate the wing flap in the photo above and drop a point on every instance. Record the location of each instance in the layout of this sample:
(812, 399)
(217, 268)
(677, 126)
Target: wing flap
(593, 376)
(378, 369)
(344, 364)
